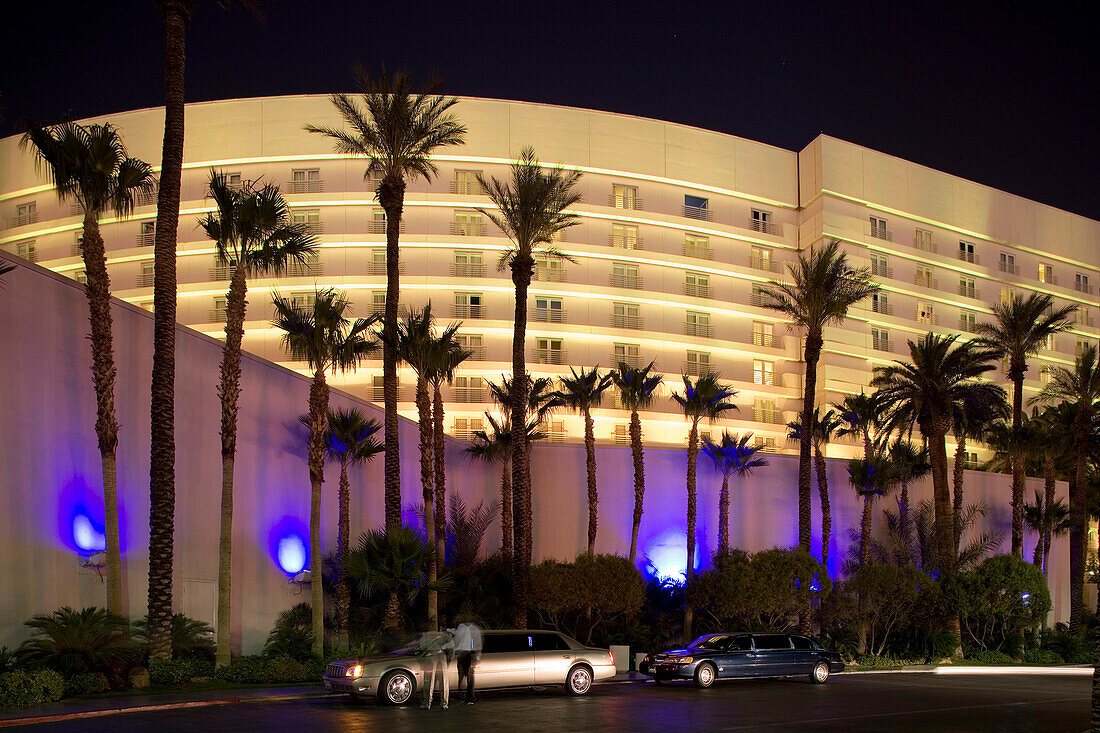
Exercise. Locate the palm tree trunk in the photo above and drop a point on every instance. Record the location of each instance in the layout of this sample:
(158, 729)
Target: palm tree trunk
(1080, 522)
(506, 529)
(590, 466)
(865, 530)
(957, 499)
(393, 611)
(229, 390)
(343, 537)
(693, 454)
(1048, 501)
(440, 457)
(903, 521)
(724, 515)
(162, 446)
(523, 268)
(826, 511)
(318, 418)
(427, 440)
(944, 517)
(639, 480)
(813, 353)
(1017, 465)
(98, 292)
(391, 197)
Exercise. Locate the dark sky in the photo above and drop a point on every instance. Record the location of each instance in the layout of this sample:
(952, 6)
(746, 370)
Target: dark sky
(1006, 96)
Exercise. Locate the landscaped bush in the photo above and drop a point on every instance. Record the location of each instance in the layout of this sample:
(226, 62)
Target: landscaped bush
(996, 599)
(191, 638)
(72, 642)
(86, 683)
(888, 596)
(178, 671)
(292, 634)
(577, 597)
(989, 656)
(1070, 647)
(941, 644)
(872, 661)
(22, 687)
(1041, 656)
(257, 670)
(7, 659)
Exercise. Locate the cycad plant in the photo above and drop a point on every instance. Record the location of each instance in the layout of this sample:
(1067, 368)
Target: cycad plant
(397, 131)
(88, 166)
(637, 386)
(582, 392)
(254, 236)
(321, 334)
(824, 286)
(71, 642)
(704, 399)
(732, 456)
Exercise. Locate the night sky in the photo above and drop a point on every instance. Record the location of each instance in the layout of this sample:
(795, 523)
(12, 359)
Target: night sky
(1008, 97)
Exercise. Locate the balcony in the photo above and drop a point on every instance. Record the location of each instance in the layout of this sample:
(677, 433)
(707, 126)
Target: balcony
(769, 415)
(312, 186)
(696, 368)
(696, 290)
(311, 267)
(699, 330)
(217, 315)
(468, 394)
(928, 319)
(968, 257)
(969, 291)
(632, 360)
(146, 239)
(20, 220)
(477, 353)
(222, 272)
(468, 229)
(882, 344)
(621, 435)
(549, 274)
(633, 282)
(78, 249)
(549, 356)
(760, 300)
(882, 308)
(467, 188)
(554, 431)
(1084, 288)
(1049, 280)
(882, 233)
(146, 197)
(145, 280)
(378, 226)
(468, 311)
(1008, 267)
(765, 227)
(468, 269)
(701, 213)
(927, 282)
(925, 244)
(698, 251)
(622, 320)
(966, 325)
(882, 271)
(549, 315)
(624, 202)
(624, 241)
(766, 264)
(767, 340)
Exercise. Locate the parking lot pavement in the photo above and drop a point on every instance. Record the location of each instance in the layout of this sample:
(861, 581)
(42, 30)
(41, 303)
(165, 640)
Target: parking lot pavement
(888, 702)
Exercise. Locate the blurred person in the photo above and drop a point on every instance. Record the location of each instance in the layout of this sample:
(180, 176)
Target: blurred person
(437, 650)
(468, 642)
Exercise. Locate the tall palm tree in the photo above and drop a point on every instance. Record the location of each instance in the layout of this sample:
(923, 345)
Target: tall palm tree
(398, 131)
(1046, 519)
(861, 418)
(1020, 328)
(322, 335)
(1080, 388)
(926, 391)
(1051, 426)
(824, 287)
(636, 387)
(493, 446)
(532, 208)
(825, 426)
(254, 235)
(870, 478)
(732, 456)
(581, 393)
(349, 439)
(909, 464)
(89, 166)
(704, 399)
(448, 356)
(971, 420)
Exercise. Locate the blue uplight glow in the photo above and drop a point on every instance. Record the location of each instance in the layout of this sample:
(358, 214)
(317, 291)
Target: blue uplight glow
(666, 558)
(87, 537)
(292, 554)
(288, 544)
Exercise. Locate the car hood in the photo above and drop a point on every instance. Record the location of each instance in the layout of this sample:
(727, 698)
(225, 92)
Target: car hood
(373, 659)
(681, 652)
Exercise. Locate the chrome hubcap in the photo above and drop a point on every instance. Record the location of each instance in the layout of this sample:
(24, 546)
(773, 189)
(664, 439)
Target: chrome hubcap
(821, 672)
(580, 680)
(706, 675)
(399, 689)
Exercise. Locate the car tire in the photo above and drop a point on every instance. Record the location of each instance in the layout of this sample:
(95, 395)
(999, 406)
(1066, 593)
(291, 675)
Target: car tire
(705, 675)
(820, 673)
(579, 681)
(659, 680)
(397, 687)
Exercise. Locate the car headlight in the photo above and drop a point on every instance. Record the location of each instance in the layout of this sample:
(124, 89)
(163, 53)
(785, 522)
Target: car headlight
(684, 660)
(356, 671)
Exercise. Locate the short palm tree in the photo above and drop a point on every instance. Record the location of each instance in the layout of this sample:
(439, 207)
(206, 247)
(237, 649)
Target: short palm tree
(704, 399)
(1021, 326)
(1046, 519)
(824, 287)
(971, 420)
(72, 642)
(349, 439)
(322, 335)
(392, 564)
(825, 426)
(398, 131)
(909, 464)
(1050, 428)
(1080, 388)
(582, 392)
(492, 446)
(637, 386)
(89, 166)
(870, 479)
(254, 236)
(732, 456)
(532, 209)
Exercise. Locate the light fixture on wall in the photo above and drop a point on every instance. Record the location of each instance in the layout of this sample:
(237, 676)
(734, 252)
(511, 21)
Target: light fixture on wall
(301, 579)
(96, 561)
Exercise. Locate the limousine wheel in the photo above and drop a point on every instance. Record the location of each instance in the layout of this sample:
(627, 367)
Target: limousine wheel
(579, 682)
(820, 673)
(397, 687)
(705, 674)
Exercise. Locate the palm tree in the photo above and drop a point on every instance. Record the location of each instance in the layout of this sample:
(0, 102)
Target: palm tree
(494, 447)
(392, 564)
(636, 389)
(322, 335)
(349, 439)
(89, 166)
(1021, 327)
(448, 356)
(971, 419)
(254, 235)
(732, 456)
(1050, 427)
(870, 478)
(1080, 388)
(909, 464)
(532, 208)
(397, 131)
(824, 427)
(825, 286)
(580, 393)
(1046, 519)
(705, 399)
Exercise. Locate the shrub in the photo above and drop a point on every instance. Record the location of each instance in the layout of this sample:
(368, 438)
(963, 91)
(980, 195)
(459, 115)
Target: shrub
(989, 656)
(577, 597)
(257, 669)
(871, 661)
(178, 671)
(1073, 649)
(86, 683)
(7, 659)
(997, 598)
(70, 641)
(21, 687)
(292, 634)
(1041, 656)
(888, 595)
(941, 644)
(191, 638)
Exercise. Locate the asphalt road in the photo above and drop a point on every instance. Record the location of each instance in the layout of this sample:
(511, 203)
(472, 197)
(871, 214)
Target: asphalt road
(886, 702)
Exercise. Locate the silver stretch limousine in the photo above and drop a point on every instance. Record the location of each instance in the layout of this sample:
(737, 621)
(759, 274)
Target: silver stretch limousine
(508, 659)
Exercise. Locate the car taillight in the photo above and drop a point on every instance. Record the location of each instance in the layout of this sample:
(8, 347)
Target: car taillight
(612, 657)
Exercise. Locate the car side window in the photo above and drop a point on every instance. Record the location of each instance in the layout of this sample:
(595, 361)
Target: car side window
(801, 642)
(772, 641)
(740, 644)
(549, 642)
(505, 643)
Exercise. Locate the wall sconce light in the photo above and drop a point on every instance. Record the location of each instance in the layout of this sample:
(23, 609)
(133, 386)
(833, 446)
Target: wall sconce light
(301, 579)
(96, 561)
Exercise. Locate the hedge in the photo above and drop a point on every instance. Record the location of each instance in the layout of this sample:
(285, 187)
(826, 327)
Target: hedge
(21, 688)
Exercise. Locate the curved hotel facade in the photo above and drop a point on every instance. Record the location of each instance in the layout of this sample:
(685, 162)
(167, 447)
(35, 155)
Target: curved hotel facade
(679, 227)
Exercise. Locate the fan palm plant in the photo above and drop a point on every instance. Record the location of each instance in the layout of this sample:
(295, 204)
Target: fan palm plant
(321, 334)
(392, 564)
(1020, 328)
(89, 166)
(824, 287)
(1046, 519)
(254, 236)
(448, 355)
(909, 464)
(825, 426)
(398, 131)
(704, 399)
(582, 392)
(732, 456)
(1080, 388)
(637, 387)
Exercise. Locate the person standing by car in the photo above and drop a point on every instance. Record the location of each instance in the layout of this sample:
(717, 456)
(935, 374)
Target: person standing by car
(468, 645)
(437, 649)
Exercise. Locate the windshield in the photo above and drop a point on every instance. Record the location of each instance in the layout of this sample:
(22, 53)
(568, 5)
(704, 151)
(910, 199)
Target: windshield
(420, 645)
(717, 642)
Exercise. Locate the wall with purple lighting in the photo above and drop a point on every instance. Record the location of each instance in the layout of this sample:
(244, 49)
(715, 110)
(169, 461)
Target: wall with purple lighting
(51, 486)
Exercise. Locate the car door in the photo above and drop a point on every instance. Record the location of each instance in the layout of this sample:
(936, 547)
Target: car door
(553, 658)
(738, 658)
(773, 654)
(507, 660)
(805, 655)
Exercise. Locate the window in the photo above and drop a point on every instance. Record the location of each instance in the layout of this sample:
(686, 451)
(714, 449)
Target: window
(147, 237)
(625, 197)
(468, 264)
(377, 222)
(1046, 373)
(472, 342)
(758, 298)
(880, 303)
(760, 258)
(966, 252)
(625, 315)
(549, 643)
(763, 334)
(549, 351)
(468, 224)
(27, 250)
(697, 285)
(1081, 283)
(922, 239)
(741, 644)
(217, 313)
(464, 429)
(26, 213)
(968, 287)
(305, 180)
(469, 389)
(468, 305)
(1049, 343)
(764, 410)
(378, 302)
(1046, 274)
(466, 183)
(233, 180)
(924, 277)
(1083, 317)
(549, 268)
(762, 372)
(549, 310)
(145, 305)
(145, 279)
(1008, 264)
(695, 207)
(880, 339)
(377, 265)
(620, 433)
(801, 642)
(761, 221)
(926, 313)
(624, 236)
(696, 246)
(697, 324)
(82, 277)
(771, 641)
(878, 228)
(880, 266)
(378, 391)
(311, 218)
(303, 300)
(1007, 294)
(1080, 347)
(629, 353)
(697, 363)
(624, 275)
(968, 321)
